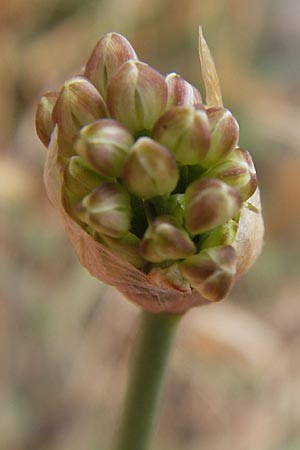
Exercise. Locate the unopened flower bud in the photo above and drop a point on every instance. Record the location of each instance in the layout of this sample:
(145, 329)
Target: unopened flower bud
(79, 178)
(173, 205)
(170, 278)
(104, 145)
(219, 236)
(209, 203)
(150, 169)
(136, 95)
(224, 134)
(108, 55)
(107, 210)
(180, 92)
(78, 104)
(127, 248)
(70, 202)
(164, 240)
(43, 119)
(211, 272)
(185, 131)
(237, 171)
(66, 150)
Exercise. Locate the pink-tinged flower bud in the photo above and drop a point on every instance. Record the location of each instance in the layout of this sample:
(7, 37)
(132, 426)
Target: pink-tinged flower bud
(107, 210)
(43, 118)
(79, 178)
(224, 134)
(180, 92)
(150, 169)
(211, 272)
(136, 96)
(170, 278)
(104, 145)
(165, 240)
(237, 171)
(79, 103)
(222, 235)
(185, 131)
(209, 203)
(127, 248)
(108, 55)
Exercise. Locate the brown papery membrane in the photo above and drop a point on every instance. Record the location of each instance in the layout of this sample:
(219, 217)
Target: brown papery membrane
(131, 282)
(209, 74)
(250, 234)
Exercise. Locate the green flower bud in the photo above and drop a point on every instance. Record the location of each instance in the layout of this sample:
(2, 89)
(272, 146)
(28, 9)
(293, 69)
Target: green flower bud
(107, 210)
(211, 272)
(172, 205)
(224, 134)
(128, 248)
(78, 104)
(237, 171)
(150, 169)
(164, 240)
(65, 150)
(136, 96)
(104, 145)
(108, 55)
(180, 92)
(43, 118)
(209, 203)
(185, 131)
(222, 235)
(70, 202)
(79, 178)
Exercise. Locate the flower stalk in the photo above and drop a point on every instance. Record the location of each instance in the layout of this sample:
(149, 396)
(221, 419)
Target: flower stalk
(154, 343)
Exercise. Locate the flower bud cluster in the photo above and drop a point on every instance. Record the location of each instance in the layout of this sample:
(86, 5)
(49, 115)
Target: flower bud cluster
(148, 170)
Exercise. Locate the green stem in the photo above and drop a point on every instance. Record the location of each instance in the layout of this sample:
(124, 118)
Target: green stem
(154, 343)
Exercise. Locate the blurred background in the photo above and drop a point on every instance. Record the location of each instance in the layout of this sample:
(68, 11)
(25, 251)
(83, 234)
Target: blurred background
(66, 339)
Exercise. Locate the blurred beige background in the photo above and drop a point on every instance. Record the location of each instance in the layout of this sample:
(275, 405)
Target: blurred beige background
(65, 339)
